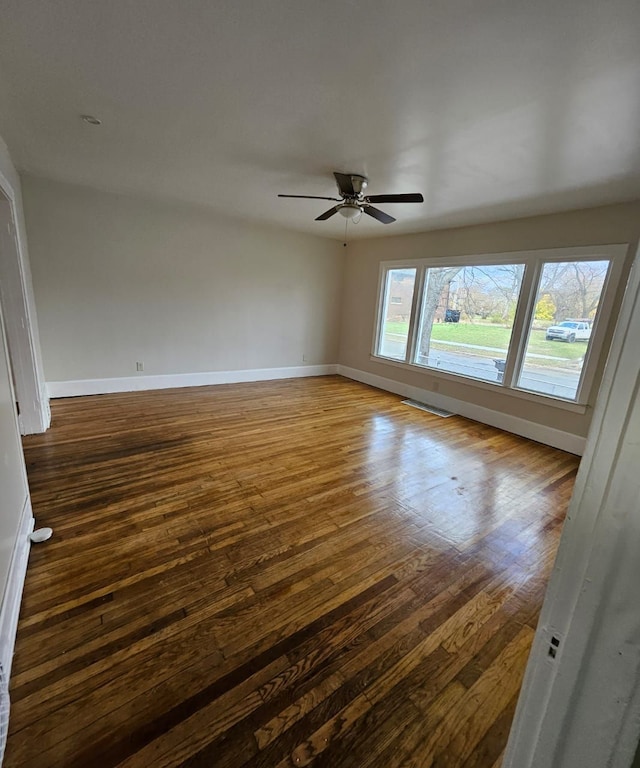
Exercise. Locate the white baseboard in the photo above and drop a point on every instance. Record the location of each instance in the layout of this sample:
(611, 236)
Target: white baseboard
(538, 432)
(12, 598)
(169, 381)
(519, 426)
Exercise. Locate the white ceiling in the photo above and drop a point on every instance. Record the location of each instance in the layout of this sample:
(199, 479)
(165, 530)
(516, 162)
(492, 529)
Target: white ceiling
(491, 108)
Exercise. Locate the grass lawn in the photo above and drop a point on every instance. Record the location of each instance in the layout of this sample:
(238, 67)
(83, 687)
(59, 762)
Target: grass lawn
(492, 336)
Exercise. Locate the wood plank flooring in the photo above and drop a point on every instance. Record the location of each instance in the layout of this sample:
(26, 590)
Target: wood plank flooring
(290, 573)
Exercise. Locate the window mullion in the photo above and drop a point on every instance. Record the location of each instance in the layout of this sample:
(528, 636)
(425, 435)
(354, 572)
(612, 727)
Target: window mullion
(416, 310)
(522, 322)
(382, 297)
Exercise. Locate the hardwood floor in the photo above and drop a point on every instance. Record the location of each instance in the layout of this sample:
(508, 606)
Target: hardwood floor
(291, 573)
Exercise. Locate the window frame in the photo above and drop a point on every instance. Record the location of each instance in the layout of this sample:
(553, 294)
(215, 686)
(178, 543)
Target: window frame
(534, 262)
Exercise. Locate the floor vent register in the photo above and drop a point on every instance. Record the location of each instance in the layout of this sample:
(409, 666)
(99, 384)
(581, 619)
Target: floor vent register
(428, 408)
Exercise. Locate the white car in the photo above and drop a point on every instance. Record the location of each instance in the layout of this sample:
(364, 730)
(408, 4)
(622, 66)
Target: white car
(570, 331)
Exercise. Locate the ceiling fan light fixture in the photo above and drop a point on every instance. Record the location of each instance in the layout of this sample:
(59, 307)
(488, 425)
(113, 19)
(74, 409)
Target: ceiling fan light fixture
(350, 210)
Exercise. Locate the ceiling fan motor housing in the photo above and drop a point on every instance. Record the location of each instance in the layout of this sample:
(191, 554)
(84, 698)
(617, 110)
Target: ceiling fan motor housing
(353, 207)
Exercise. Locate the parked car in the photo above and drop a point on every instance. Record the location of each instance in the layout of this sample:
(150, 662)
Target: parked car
(570, 331)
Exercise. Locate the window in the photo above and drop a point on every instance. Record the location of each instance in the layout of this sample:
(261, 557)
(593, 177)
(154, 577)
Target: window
(559, 331)
(528, 323)
(400, 285)
(466, 318)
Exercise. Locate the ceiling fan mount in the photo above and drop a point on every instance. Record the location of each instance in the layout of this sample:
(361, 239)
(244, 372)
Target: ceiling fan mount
(353, 201)
(359, 183)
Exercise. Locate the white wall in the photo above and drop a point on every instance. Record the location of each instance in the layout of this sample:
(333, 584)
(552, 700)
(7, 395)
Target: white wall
(13, 481)
(596, 226)
(15, 508)
(120, 279)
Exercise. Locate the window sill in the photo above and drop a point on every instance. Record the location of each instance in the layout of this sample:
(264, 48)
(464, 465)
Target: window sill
(519, 394)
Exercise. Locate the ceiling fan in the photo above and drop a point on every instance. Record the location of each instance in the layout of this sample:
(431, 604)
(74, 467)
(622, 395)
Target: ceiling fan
(353, 202)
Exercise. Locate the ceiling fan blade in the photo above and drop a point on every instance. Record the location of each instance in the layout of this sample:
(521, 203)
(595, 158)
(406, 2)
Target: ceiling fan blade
(312, 197)
(378, 214)
(327, 214)
(409, 198)
(345, 184)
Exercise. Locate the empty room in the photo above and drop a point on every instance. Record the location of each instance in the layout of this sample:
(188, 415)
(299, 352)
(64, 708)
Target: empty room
(319, 382)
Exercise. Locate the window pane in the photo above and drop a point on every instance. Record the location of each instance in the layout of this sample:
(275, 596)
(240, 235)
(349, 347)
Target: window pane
(467, 317)
(396, 313)
(566, 306)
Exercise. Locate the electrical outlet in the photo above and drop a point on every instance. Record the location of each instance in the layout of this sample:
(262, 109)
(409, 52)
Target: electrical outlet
(553, 646)
(139, 366)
